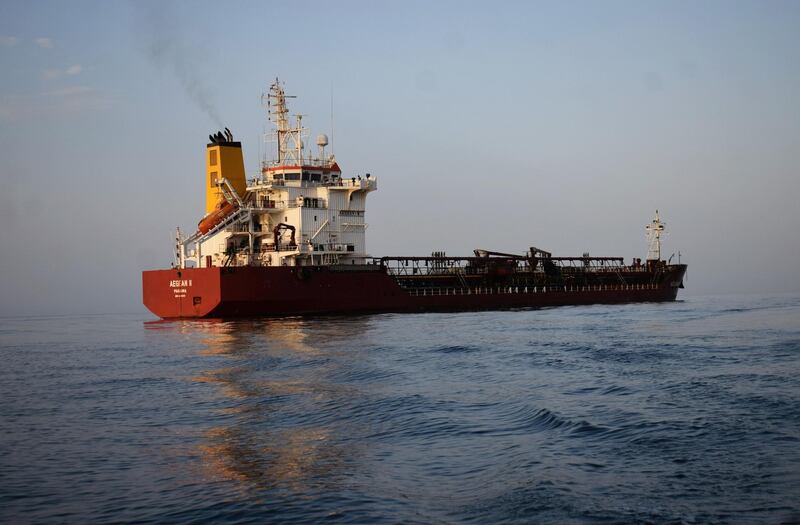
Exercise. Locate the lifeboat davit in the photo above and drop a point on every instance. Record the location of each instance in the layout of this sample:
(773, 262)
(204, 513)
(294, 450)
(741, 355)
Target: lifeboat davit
(223, 210)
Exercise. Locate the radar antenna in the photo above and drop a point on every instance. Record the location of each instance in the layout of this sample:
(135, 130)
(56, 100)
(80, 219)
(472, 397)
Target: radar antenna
(654, 231)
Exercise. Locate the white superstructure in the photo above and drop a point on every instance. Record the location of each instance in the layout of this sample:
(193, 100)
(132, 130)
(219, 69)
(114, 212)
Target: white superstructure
(299, 211)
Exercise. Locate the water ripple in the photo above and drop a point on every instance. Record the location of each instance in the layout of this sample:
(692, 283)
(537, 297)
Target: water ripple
(656, 413)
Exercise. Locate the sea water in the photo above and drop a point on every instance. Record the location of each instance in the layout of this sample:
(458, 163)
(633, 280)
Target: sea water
(674, 412)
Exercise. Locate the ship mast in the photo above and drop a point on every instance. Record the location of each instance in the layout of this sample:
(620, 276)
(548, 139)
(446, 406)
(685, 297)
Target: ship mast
(654, 231)
(289, 139)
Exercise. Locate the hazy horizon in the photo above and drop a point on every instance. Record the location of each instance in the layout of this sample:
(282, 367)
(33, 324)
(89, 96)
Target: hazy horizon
(562, 126)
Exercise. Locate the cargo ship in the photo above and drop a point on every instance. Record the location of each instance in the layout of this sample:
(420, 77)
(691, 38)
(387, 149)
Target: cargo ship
(292, 241)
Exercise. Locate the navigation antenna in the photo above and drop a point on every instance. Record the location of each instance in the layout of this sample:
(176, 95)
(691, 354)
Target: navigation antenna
(654, 231)
(289, 139)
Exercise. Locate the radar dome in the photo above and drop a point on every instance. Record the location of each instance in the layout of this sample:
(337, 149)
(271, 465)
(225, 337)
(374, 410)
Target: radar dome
(322, 140)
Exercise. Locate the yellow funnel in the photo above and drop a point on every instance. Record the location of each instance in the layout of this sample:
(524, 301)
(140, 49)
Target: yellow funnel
(223, 160)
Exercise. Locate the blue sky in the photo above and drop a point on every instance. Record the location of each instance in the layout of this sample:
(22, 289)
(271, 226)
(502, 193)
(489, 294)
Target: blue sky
(561, 125)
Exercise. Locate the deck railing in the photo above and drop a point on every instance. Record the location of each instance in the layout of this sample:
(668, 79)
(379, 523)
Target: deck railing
(496, 290)
(338, 183)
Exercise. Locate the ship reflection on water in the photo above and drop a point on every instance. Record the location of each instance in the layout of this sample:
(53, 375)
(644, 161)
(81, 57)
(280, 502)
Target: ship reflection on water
(273, 376)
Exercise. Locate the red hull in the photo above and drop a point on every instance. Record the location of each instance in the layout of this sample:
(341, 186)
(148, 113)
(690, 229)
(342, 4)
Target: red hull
(280, 291)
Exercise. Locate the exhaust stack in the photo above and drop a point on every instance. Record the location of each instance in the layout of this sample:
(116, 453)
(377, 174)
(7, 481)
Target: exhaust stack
(224, 160)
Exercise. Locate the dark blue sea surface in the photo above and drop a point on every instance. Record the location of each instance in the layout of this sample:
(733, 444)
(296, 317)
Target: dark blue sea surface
(679, 412)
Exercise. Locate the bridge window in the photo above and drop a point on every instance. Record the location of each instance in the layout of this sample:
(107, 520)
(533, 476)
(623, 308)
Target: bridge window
(212, 157)
(214, 176)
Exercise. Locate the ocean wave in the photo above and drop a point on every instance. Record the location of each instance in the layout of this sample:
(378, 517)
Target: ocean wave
(684, 412)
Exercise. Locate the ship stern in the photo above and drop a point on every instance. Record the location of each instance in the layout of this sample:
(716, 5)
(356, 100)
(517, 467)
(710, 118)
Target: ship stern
(181, 292)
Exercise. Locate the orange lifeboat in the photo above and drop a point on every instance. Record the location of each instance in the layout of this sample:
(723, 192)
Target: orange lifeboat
(223, 209)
